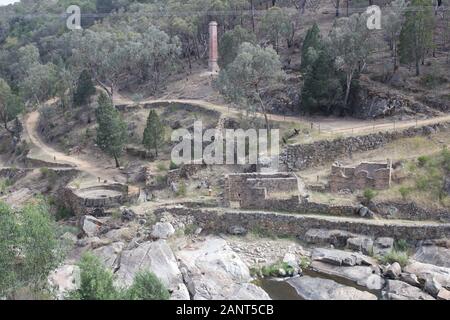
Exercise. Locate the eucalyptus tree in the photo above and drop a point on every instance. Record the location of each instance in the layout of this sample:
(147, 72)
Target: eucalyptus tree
(392, 21)
(416, 37)
(254, 72)
(276, 26)
(352, 43)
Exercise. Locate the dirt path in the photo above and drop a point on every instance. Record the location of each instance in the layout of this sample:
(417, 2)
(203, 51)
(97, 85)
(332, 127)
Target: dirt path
(50, 154)
(327, 125)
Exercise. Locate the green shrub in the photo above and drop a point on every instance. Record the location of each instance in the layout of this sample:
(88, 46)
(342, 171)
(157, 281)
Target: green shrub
(404, 192)
(273, 270)
(446, 159)
(190, 229)
(5, 184)
(305, 262)
(181, 192)
(146, 286)
(161, 180)
(396, 256)
(161, 167)
(49, 174)
(97, 282)
(63, 212)
(401, 245)
(29, 248)
(432, 80)
(369, 194)
(423, 160)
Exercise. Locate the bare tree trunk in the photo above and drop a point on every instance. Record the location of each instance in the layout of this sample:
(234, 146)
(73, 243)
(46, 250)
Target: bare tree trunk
(116, 159)
(347, 89)
(264, 111)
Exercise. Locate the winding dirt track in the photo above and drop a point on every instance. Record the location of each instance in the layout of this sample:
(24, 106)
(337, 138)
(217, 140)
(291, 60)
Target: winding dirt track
(330, 125)
(338, 126)
(31, 123)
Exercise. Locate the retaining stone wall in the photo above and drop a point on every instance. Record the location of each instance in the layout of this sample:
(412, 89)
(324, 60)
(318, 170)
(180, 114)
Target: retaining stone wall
(291, 225)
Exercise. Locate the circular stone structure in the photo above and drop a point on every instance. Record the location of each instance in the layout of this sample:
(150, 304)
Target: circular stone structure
(101, 196)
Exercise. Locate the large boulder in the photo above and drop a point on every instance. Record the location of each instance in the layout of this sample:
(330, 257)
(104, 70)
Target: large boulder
(341, 257)
(90, 225)
(362, 244)
(311, 288)
(110, 255)
(393, 271)
(338, 238)
(443, 294)
(180, 292)
(162, 230)
(425, 271)
(398, 290)
(127, 215)
(361, 275)
(383, 246)
(436, 255)
(156, 257)
(212, 271)
(432, 286)
(64, 279)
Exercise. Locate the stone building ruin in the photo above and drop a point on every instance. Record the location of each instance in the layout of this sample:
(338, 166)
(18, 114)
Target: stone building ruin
(263, 190)
(366, 175)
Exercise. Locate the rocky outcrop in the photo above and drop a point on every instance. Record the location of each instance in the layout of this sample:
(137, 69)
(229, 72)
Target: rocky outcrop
(212, 271)
(338, 238)
(162, 230)
(425, 271)
(373, 104)
(362, 275)
(110, 255)
(90, 226)
(310, 288)
(341, 258)
(362, 244)
(64, 279)
(398, 290)
(382, 246)
(439, 256)
(156, 257)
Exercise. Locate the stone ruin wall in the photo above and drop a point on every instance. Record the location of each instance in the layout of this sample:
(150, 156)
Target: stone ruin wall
(303, 156)
(252, 190)
(366, 175)
(293, 225)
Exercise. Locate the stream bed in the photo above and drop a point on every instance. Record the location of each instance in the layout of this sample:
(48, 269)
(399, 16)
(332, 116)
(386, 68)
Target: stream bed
(281, 289)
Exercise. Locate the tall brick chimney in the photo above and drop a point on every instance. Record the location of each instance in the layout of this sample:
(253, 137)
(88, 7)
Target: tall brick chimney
(213, 50)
